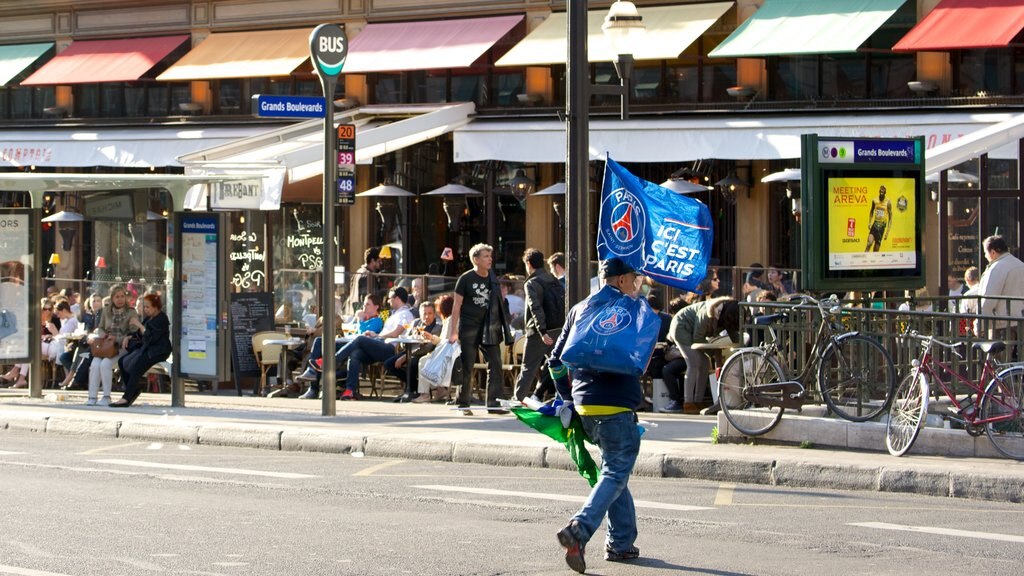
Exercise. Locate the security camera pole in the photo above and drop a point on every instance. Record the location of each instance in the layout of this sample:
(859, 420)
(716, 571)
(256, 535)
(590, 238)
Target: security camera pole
(328, 48)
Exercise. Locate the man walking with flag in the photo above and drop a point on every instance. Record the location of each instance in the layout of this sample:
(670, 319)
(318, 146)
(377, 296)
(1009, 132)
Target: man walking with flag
(605, 402)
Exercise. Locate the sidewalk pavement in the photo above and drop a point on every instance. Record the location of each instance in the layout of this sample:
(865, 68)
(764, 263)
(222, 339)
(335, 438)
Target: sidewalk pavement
(678, 446)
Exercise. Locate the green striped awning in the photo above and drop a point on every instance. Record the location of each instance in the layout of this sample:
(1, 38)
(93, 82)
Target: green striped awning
(791, 27)
(14, 59)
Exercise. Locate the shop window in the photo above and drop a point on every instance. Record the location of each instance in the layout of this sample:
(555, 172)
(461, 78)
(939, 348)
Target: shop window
(229, 96)
(158, 101)
(985, 72)
(112, 100)
(507, 87)
(428, 86)
(135, 101)
(5, 100)
(468, 88)
(843, 76)
(1002, 171)
(646, 84)
(297, 258)
(131, 251)
(87, 100)
(793, 77)
(387, 89)
(180, 94)
(963, 238)
(21, 102)
(694, 77)
(1001, 217)
(889, 74)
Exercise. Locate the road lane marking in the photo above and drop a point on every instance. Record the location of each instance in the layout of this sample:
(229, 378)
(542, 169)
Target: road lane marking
(942, 531)
(109, 448)
(724, 495)
(373, 469)
(5, 453)
(238, 471)
(556, 497)
(26, 571)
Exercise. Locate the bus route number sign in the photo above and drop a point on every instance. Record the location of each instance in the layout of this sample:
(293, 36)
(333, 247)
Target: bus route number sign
(346, 164)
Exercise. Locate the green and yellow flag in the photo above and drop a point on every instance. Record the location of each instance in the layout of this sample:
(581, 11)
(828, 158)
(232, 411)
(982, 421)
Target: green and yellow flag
(572, 438)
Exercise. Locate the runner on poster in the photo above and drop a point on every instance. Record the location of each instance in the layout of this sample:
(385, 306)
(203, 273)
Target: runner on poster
(871, 223)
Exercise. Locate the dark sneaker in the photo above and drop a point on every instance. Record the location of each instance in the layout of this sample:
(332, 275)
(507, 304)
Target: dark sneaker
(574, 549)
(632, 553)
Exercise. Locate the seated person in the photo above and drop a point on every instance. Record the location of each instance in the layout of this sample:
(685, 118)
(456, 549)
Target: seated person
(369, 322)
(664, 356)
(155, 347)
(443, 305)
(370, 346)
(405, 365)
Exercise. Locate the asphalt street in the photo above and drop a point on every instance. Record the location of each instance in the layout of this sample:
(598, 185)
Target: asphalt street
(90, 506)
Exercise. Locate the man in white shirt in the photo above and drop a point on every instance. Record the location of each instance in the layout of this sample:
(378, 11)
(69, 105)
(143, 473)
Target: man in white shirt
(1004, 276)
(370, 347)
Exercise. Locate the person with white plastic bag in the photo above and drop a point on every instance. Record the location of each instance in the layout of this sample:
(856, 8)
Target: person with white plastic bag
(445, 355)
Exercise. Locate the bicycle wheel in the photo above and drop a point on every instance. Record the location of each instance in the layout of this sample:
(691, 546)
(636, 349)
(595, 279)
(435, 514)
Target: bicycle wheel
(906, 413)
(740, 373)
(856, 377)
(1002, 410)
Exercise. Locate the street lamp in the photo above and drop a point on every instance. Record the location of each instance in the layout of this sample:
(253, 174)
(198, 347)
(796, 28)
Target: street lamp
(622, 27)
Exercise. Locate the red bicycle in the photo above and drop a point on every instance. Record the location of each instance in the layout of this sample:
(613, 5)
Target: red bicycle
(994, 405)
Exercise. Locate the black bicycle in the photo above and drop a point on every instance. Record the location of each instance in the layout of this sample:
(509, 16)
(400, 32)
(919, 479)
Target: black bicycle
(854, 374)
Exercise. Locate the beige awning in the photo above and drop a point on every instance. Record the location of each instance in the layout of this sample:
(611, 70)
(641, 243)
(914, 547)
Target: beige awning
(670, 30)
(243, 55)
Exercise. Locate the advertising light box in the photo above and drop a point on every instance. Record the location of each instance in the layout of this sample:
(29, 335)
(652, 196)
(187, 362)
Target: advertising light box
(863, 218)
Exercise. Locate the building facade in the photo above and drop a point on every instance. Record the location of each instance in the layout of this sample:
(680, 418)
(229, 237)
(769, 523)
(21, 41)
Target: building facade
(473, 93)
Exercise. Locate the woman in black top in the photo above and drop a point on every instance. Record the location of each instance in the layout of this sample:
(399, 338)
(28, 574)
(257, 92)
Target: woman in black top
(155, 348)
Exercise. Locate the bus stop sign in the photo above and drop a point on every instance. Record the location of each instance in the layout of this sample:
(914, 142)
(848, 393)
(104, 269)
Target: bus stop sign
(329, 47)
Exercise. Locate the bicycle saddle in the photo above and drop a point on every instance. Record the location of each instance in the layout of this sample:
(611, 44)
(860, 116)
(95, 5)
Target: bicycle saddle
(768, 319)
(990, 347)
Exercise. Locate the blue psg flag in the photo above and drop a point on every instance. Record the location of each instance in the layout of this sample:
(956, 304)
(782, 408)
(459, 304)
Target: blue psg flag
(664, 235)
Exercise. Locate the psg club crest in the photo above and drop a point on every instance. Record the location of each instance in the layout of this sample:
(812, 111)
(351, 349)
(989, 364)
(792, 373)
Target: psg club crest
(623, 222)
(612, 320)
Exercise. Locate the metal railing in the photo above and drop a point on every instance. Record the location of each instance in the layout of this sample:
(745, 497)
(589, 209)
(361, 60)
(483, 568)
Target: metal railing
(888, 324)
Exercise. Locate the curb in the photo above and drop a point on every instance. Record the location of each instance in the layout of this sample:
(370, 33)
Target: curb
(787, 472)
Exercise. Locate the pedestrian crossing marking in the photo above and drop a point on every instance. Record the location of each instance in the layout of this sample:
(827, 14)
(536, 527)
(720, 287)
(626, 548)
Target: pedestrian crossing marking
(942, 531)
(555, 497)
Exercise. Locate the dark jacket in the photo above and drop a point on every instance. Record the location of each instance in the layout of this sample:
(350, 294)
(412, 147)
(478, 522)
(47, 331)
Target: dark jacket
(536, 321)
(156, 340)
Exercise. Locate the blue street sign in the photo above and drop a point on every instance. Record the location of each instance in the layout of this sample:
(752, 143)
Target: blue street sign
(265, 105)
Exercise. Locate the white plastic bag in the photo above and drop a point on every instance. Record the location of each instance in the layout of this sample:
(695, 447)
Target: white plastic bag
(436, 370)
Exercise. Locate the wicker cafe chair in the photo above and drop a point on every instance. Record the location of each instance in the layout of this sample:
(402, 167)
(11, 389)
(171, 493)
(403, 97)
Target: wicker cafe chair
(267, 356)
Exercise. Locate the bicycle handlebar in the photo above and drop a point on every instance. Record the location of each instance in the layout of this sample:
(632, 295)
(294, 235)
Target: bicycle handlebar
(933, 340)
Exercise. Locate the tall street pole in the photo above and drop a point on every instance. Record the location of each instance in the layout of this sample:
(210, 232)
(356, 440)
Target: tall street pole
(577, 173)
(328, 46)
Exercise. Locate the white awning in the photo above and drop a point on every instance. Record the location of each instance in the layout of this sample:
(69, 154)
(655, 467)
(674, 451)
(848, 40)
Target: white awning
(299, 148)
(685, 139)
(37, 183)
(112, 147)
(998, 140)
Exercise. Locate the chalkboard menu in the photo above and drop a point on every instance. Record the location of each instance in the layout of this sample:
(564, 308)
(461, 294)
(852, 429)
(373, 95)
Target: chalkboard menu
(251, 312)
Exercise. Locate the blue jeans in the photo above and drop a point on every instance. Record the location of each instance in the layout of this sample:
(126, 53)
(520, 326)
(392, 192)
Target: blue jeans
(619, 440)
(362, 350)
